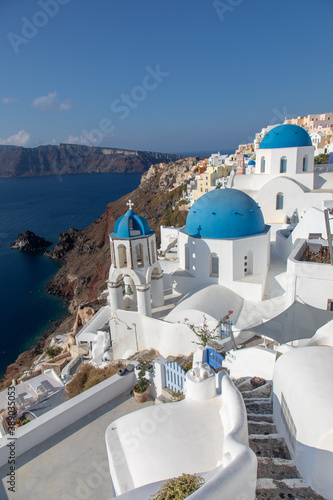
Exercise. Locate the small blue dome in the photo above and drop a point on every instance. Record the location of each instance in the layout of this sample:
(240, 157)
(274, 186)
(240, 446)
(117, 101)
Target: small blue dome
(131, 225)
(286, 136)
(245, 155)
(251, 162)
(224, 214)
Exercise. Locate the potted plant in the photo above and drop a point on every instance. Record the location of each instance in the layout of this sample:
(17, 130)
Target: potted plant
(179, 487)
(140, 390)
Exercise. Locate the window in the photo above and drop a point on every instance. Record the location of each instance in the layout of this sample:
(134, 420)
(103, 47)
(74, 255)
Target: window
(262, 165)
(214, 265)
(279, 201)
(187, 258)
(248, 263)
(139, 255)
(152, 252)
(122, 256)
(283, 165)
(305, 164)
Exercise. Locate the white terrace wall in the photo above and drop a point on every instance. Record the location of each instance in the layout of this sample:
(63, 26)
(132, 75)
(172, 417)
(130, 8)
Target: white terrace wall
(132, 332)
(303, 278)
(303, 409)
(66, 414)
(236, 477)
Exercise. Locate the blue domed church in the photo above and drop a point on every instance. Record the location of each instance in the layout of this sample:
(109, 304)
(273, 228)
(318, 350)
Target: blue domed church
(226, 242)
(136, 278)
(284, 182)
(286, 149)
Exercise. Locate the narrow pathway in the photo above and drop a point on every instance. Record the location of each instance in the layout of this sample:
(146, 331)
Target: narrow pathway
(277, 475)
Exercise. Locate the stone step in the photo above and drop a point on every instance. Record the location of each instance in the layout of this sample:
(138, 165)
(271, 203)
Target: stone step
(293, 489)
(262, 408)
(276, 468)
(260, 392)
(273, 446)
(251, 417)
(257, 400)
(261, 428)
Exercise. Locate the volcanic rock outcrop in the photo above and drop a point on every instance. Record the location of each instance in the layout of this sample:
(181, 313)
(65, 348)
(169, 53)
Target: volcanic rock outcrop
(28, 241)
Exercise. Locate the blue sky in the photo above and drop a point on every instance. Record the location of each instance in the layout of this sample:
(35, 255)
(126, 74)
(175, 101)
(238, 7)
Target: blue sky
(170, 76)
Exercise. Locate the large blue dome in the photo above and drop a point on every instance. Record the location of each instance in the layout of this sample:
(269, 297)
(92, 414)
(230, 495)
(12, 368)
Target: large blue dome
(286, 136)
(224, 214)
(131, 225)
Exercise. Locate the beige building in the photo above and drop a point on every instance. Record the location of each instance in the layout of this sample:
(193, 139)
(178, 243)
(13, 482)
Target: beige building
(311, 122)
(208, 178)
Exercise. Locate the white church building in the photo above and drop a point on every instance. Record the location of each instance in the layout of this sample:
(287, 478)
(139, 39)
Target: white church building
(226, 242)
(284, 179)
(136, 278)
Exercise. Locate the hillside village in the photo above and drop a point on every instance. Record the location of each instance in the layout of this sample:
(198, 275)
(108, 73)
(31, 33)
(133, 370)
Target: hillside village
(225, 322)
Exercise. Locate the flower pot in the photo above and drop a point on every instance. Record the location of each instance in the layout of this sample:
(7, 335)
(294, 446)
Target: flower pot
(140, 397)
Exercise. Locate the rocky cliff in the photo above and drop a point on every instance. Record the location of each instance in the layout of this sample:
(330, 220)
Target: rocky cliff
(85, 254)
(74, 159)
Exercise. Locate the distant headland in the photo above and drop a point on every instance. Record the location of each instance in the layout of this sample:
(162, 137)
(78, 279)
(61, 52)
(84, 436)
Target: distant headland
(66, 159)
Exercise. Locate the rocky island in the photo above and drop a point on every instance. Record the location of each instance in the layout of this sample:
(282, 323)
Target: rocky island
(28, 241)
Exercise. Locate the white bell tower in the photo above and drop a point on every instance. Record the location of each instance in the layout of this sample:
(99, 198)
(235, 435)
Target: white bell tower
(136, 278)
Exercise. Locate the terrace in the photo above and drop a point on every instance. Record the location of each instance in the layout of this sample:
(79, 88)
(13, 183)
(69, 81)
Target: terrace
(70, 463)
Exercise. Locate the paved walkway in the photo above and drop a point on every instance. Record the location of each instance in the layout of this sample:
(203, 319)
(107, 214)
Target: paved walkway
(73, 464)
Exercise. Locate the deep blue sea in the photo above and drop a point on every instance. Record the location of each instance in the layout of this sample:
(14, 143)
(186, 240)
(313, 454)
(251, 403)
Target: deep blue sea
(47, 206)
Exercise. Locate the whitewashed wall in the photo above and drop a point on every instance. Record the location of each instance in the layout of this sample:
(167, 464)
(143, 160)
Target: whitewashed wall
(310, 282)
(304, 378)
(236, 477)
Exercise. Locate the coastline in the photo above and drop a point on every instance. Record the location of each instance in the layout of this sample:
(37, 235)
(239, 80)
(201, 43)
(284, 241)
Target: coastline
(84, 255)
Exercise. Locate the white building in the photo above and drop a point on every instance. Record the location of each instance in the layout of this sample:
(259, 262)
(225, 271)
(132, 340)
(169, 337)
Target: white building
(303, 409)
(216, 160)
(136, 278)
(225, 241)
(284, 179)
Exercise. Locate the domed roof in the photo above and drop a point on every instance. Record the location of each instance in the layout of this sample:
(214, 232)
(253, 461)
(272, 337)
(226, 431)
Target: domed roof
(286, 136)
(224, 214)
(251, 162)
(131, 225)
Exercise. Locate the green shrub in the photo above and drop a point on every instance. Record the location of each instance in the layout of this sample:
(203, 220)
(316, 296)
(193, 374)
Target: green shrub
(320, 159)
(179, 487)
(177, 396)
(143, 383)
(53, 351)
(188, 367)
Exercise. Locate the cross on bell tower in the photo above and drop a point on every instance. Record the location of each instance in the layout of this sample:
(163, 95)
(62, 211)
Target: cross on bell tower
(130, 204)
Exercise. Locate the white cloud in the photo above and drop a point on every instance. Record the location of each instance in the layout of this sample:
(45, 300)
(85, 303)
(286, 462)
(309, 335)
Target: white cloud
(22, 138)
(66, 105)
(46, 102)
(9, 100)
